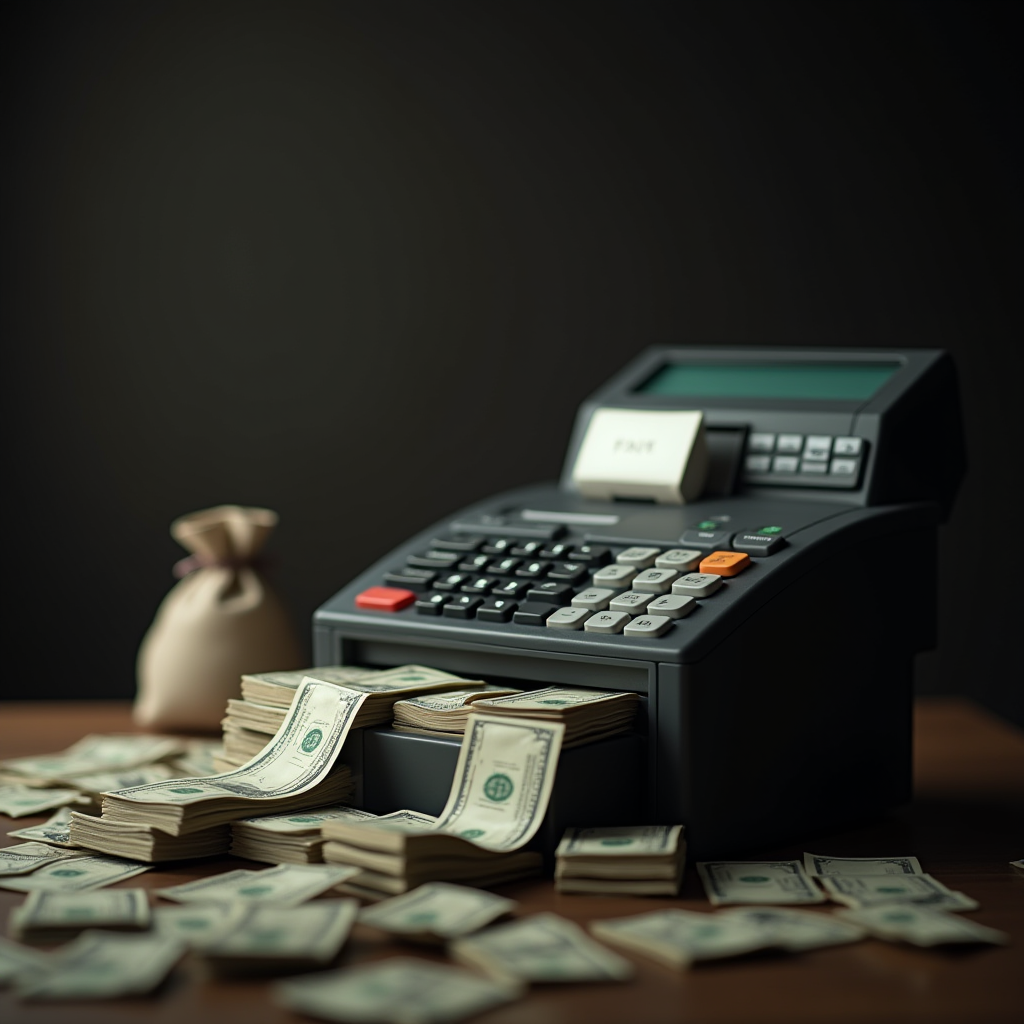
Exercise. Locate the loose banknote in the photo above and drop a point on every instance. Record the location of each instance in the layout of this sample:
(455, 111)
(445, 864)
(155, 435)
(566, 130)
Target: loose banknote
(24, 858)
(921, 926)
(50, 916)
(775, 881)
(814, 864)
(437, 911)
(401, 990)
(55, 830)
(876, 890)
(95, 753)
(71, 875)
(21, 801)
(199, 924)
(287, 885)
(16, 959)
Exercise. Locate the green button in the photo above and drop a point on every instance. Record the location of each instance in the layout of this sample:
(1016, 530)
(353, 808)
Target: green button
(708, 524)
(770, 529)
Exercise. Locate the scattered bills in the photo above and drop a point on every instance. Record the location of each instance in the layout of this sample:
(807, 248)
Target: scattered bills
(844, 866)
(775, 881)
(71, 875)
(287, 885)
(445, 713)
(57, 916)
(633, 860)
(876, 890)
(24, 858)
(21, 801)
(96, 753)
(293, 838)
(55, 830)
(199, 924)
(436, 912)
(540, 948)
(400, 990)
(797, 930)
(921, 926)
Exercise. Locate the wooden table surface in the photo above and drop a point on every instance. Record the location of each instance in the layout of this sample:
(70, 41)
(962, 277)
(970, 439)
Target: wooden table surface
(965, 824)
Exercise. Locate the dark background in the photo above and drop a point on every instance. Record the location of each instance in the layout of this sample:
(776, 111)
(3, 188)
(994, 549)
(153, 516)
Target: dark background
(360, 263)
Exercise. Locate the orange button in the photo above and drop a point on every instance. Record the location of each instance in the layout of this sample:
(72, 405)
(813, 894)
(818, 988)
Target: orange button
(725, 563)
(385, 599)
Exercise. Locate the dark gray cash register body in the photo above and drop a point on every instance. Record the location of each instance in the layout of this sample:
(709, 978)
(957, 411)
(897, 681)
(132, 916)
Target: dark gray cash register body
(781, 706)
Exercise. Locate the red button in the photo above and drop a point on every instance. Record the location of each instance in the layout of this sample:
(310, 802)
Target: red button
(385, 599)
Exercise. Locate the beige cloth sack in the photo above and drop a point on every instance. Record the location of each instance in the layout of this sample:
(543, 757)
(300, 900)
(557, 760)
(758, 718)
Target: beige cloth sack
(221, 620)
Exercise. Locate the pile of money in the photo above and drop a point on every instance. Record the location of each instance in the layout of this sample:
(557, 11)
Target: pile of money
(540, 948)
(295, 771)
(293, 838)
(443, 714)
(638, 860)
(286, 886)
(251, 721)
(499, 796)
(437, 912)
(746, 881)
(59, 916)
(143, 842)
(588, 715)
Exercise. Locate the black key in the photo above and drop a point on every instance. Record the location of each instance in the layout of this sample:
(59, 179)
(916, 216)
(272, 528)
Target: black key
(408, 580)
(431, 604)
(532, 614)
(434, 559)
(528, 548)
(504, 566)
(591, 554)
(555, 551)
(478, 585)
(758, 544)
(570, 571)
(475, 564)
(496, 609)
(511, 588)
(498, 546)
(531, 570)
(462, 607)
(706, 540)
(465, 543)
(450, 582)
(550, 592)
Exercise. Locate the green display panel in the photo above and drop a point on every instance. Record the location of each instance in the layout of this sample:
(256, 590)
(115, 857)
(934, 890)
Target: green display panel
(838, 381)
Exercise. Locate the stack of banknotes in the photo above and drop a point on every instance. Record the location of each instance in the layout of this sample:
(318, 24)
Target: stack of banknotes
(59, 916)
(293, 838)
(443, 714)
(499, 796)
(250, 722)
(588, 715)
(144, 842)
(638, 860)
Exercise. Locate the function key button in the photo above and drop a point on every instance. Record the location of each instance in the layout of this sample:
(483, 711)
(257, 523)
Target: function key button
(478, 585)
(431, 604)
(596, 599)
(466, 543)
(434, 559)
(567, 618)
(531, 570)
(847, 446)
(570, 571)
(647, 627)
(528, 548)
(679, 559)
(463, 606)
(758, 543)
(655, 581)
(533, 613)
(617, 576)
(505, 566)
(790, 444)
(411, 579)
(550, 591)
(634, 601)
(813, 467)
(496, 609)
(758, 463)
(761, 443)
(606, 622)
(592, 554)
(818, 448)
(511, 588)
(498, 546)
(555, 552)
(475, 564)
(785, 464)
(450, 582)
(385, 599)
(725, 563)
(675, 606)
(641, 558)
(844, 467)
(697, 584)
(706, 540)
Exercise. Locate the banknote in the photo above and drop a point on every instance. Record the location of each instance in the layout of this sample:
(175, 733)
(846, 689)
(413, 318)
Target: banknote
(198, 924)
(26, 857)
(104, 965)
(437, 910)
(815, 864)
(48, 916)
(94, 753)
(775, 881)
(400, 989)
(796, 930)
(88, 872)
(920, 925)
(16, 959)
(625, 840)
(298, 822)
(21, 801)
(95, 783)
(55, 830)
(540, 948)
(1017, 865)
(875, 890)
(286, 885)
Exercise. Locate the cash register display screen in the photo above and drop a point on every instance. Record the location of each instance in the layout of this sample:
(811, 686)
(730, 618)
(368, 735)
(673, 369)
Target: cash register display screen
(817, 381)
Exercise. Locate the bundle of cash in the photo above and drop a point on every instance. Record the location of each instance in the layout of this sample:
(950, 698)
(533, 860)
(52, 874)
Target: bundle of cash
(399, 989)
(443, 714)
(921, 926)
(24, 858)
(499, 796)
(143, 842)
(293, 772)
(199, 924)
(637, 860)
(75, 874)
(288, 838)
(268, 938)
(240, 746)
(775, 881)
(437, 912)
(540, 948)
(588, 715)
(287, 885)
(58, 916)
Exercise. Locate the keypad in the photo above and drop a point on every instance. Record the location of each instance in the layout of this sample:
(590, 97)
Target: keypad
(811, 460)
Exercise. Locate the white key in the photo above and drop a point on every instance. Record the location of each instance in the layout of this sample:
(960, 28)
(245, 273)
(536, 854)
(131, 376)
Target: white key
(648, 626)
(679, 559)
(596, 599)
(675, 606)
(606, 622)
(617, 576)
(697, 584)
(655, 581)
(634, 601)
(641, 558)
(568, 618)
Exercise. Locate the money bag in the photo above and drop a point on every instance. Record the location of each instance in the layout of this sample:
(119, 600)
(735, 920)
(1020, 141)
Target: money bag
(220, 621)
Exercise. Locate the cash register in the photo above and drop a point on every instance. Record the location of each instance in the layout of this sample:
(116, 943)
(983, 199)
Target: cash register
(746, 538)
